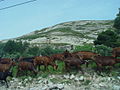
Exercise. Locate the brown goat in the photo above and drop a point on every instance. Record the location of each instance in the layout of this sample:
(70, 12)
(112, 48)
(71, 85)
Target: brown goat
(6, 67)
(85, 55)
(44, 60)
(57, 57)
(5, 60)
(116, 52)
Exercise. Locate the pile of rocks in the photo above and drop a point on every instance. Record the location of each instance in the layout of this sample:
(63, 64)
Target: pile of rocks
(65, 82)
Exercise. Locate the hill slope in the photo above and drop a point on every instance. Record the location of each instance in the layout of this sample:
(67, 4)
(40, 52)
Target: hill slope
(73, 33)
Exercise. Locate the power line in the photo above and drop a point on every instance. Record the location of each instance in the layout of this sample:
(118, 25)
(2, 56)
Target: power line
(17, 4)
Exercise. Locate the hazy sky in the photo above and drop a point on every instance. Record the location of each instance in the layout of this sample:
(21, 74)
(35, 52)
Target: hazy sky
(39, 14)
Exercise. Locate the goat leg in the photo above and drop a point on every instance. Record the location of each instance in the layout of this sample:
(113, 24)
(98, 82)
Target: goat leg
(6, 83)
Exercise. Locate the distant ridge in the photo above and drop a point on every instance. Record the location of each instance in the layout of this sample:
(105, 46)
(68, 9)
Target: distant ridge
(68, 33)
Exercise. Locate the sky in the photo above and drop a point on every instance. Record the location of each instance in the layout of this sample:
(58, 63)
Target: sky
(26, 18)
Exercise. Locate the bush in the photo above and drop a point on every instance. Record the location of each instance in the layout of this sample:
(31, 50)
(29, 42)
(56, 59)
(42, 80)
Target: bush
(86, 47)
(13, 47)
(47, 51)
(14, 55)
(117, 21)
(103, 50)
(34, 51)
(1, 49)
(108, 38)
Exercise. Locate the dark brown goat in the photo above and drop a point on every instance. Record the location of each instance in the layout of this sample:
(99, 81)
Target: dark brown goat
(83, 55)
(23, 65)
(102, 61)
(27, 59)
(73, 62)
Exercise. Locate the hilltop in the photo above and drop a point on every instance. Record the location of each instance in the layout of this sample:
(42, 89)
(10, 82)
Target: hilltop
(68, 33)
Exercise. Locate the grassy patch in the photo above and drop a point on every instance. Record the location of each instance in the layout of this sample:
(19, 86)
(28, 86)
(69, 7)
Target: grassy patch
(66, 31)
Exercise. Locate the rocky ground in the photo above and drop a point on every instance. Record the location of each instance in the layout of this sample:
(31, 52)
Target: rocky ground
(67, 81)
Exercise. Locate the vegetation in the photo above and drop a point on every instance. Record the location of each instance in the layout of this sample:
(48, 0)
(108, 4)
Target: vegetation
(15, 49)
(103, 50)
(117, 22)
(103, 46)
(47, 51)
(66, 31)
(108, 38)
(100, 49)
(86, 47)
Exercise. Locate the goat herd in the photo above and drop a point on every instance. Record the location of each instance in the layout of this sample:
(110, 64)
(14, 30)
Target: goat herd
(75, 59)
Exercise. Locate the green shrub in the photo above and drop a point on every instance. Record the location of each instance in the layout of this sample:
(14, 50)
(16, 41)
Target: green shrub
(117, 22)
(47, 51)
(108, 38)
(86, 47)
(33, 51)
(13, 55)
(103, 50)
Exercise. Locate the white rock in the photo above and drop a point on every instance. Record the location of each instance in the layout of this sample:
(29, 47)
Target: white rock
(76, 79)
(20, 83)
(72, 76)
(21, 87)
(15, 79)
(81, 78)
(118, 77)
(101, 84)
(109, 78)
(40, 81)
(26, 80)
(60, 86)
(66, 76)
(39, 78)
(44, 88)
(116, 87)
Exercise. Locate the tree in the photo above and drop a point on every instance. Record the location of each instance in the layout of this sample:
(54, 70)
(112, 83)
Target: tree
(1, 49)
(34, 51)
(103, 50)
(117, 22)
(9, 47)
(12, 47)
(108, 38)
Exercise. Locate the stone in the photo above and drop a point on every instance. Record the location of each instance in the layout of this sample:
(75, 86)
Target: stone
(81, 78)
(116, 87)
(118, 77)
(60, 86)
(72, 76)
(101, 84)
(76, 79)
(66, 76)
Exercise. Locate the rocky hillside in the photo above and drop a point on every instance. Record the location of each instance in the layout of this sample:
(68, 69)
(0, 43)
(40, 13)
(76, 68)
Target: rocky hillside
(69, 33)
